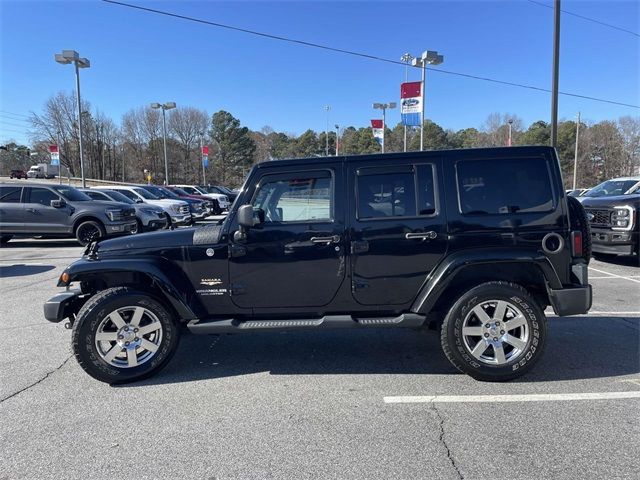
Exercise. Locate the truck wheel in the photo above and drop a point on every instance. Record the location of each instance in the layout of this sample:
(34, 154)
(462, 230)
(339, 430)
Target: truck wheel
(121, 335)
(494, 332)
(168, 225)
(89, 231)
(139, 228)
(5, 238)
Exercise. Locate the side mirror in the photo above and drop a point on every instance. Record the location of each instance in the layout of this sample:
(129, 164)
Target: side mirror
(58, 203)
(139, 200)
(245, 216)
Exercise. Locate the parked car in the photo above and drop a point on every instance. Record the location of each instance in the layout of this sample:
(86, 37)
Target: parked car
(577, 192)
(60, 211)
(18, 174)
(198, 208)
(177, 211)
(148, 217)
(221, 189)
(307, 246)
(213, 207)
(613, 210)
(222, 200)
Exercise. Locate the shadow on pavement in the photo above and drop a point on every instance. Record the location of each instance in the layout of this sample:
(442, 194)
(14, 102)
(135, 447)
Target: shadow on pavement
(39, 243)
(577, 348)
(623, 260)
(22, 270)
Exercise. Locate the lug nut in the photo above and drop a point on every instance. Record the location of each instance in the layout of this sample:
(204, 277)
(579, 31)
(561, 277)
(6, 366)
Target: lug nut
(136, 339)
(495, 339)
(135, 330)
(126, 344)
(486, 335)
(501, 332)
(487, 325)
(120, 337)
(126, 329)
(497, 323)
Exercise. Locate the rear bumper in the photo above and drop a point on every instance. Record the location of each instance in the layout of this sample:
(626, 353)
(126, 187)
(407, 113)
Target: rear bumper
(574, 300)
(63, 305)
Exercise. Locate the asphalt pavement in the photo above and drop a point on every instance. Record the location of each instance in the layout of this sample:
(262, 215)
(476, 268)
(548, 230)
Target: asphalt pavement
(330, 404)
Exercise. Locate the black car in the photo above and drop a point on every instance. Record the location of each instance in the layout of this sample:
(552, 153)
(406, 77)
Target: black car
(474, 242)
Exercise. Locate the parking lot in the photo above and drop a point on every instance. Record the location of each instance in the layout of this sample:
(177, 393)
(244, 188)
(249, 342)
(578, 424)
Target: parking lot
(343, 404)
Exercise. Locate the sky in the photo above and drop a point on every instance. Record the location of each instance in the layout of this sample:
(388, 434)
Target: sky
(138, 58)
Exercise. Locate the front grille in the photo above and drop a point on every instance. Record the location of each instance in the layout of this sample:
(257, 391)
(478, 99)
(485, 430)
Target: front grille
(601, 218)
(184, 209)
(129, 213)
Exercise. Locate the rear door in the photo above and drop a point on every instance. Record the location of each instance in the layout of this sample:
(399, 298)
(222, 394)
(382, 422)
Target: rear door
(398, 229)
(41, 217)
(296, 256)
(11, 209)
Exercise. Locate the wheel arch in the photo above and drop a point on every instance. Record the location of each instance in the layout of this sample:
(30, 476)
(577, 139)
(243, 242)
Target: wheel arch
(464, 270)
(85, 218)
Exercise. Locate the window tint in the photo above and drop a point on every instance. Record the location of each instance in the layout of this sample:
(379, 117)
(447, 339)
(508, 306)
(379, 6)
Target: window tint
(96, 195)
(10, 194)
(145, 194)
(518, 185)
(129, 194)
(426, 191)
(386, 195)
(42, 196)
(296, 199)
(118, 197)
(70, 193)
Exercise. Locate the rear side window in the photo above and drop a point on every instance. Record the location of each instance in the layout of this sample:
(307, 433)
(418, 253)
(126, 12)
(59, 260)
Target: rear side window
(390, 194)
(509, 186)
(10, 194)
(296, 199)
(42, 196)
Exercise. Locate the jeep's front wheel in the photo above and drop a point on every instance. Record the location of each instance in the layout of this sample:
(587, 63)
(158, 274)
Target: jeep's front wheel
(121, 335)
(494, 332)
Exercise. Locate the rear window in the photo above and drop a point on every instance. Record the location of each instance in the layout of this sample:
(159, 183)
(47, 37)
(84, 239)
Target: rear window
(510, 186)
(10, 194)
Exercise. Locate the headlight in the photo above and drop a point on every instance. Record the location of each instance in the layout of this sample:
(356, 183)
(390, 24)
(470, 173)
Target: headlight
(225, 198)
(622, 212)
(622, 219)
(175, 208)
(113, 214)
(148, 211)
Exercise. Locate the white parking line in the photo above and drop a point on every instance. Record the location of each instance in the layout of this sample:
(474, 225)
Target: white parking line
(613, 275)
(628, 277)
(535, 397)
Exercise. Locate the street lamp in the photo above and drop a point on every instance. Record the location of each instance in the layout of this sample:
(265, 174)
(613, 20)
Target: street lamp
(65, 58)
(326, 132)
(337, 138)
(406, 58)
(165, 106)
(510, 121)
(383, 107)
(428, 57)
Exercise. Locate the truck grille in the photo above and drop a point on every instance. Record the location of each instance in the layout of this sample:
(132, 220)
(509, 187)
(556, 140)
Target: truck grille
(131, 213)
(601, 218)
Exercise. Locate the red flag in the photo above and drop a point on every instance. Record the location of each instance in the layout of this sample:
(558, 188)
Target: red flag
(410, 89)
(205, 150)
(53, 148)
(376, 123)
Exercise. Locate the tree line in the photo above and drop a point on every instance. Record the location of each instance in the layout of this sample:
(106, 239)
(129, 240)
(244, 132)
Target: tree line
(121, 152)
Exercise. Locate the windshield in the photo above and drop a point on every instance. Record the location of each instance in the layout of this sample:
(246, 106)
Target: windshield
(611, 188)
(170, 193)
(223, 189)
(180, 191)
(72, 194)
(118, 197)
(157, 191)
(145, 194)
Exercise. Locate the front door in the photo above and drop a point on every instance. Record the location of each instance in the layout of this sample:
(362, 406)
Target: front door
(41, 217)
(398, 230)
(295, 255)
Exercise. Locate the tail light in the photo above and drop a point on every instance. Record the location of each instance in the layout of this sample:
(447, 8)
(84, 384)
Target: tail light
(576, 242)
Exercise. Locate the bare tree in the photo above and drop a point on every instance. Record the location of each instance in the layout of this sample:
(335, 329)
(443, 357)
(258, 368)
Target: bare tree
(629, 128)
(187, 125)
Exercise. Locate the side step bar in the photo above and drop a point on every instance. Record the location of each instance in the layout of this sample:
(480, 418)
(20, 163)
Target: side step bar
(406, 320)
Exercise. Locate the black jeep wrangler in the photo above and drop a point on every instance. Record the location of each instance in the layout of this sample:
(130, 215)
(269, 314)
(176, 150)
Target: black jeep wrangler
(474, 242)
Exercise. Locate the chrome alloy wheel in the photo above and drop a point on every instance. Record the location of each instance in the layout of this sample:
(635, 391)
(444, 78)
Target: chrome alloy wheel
(128, 337)
(495, 332)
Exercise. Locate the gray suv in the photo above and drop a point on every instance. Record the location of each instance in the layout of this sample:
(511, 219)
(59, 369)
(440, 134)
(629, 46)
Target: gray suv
(60, 211)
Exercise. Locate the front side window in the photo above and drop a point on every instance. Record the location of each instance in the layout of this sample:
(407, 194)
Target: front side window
(96, 196)
(72, 194)
(145, 194)
(386, 194)
(10, 194)
(505, 186)
(129, 194)
(305, 198)
(42, 196)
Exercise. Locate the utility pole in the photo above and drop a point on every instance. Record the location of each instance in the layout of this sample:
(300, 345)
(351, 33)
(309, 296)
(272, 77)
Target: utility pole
(326, 132)
(575, 157)
(204, 173)
(165, 106)
(555, 76)
(337, 138)
(510, 123)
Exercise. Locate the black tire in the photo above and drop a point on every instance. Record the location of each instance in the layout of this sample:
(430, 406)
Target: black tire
(5, 238)
(459, 354)
(89, 231)
(168, 224)
(139, 228)
(98, 308)
(579, 221)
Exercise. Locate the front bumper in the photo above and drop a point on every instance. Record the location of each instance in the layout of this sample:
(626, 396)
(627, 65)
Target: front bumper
(199, 216)
(119, 228)
(614, 241)
(179, 220)
(63, 305)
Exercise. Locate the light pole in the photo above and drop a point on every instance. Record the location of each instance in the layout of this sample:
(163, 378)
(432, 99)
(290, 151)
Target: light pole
(204, 174)
(428, 57)
(555, 73)
(326, 132)
(65, 58)
(510, 122)
(165, 106)
(383, 107)
(575, 156)
(406, 58)
(337, 138)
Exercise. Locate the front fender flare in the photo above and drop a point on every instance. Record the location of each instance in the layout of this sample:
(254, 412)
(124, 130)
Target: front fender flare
(440, 278)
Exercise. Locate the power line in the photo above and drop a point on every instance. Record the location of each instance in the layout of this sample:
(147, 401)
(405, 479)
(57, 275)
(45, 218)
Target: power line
(360, 54)
(2, 129)
(6, 118)
(15, 114)
(587, 18)
(13, 125)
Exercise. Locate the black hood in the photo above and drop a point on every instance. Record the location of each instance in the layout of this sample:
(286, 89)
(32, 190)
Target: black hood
(612, 202)
(151, 240)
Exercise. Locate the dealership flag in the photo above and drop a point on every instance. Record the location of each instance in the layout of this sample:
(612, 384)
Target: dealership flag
(378, 130)
(205, 156)
(411, 103)
(55, 154)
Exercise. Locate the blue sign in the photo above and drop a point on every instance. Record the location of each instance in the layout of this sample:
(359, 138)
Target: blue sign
(205, 161)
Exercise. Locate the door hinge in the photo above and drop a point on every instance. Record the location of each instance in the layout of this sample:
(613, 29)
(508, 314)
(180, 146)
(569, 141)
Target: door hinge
(238, 289)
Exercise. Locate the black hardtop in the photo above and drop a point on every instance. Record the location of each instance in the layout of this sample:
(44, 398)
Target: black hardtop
(498, 152)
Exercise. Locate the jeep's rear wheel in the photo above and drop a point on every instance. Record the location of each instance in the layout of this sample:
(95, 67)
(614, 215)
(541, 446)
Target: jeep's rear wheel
(494, 332)
(121, 335)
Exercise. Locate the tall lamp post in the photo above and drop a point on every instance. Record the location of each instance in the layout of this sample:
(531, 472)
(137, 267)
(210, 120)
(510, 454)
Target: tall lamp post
(428, 57)
(65, 58)
(337, 138)
(383, 107)
(510, 122)
(575, 155)
(326, 132)
(407, 59)
(165, 106)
